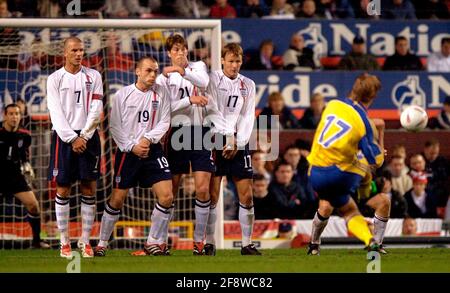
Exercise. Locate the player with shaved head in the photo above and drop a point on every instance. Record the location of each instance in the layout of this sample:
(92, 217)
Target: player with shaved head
(74, 99)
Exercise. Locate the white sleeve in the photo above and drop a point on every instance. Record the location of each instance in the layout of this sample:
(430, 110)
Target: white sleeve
(247, 118)
(59, 121)
(212, 109)
(174, 103)
(95, 108)
(432, 63)
(163, 124)
(117, 131)
(197, 74)
(180, 104)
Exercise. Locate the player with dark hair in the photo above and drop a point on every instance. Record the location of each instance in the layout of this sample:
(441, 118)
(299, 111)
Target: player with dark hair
(186, 82)
(14, 161)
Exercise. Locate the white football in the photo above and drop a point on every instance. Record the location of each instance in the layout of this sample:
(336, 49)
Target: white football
(414, 118)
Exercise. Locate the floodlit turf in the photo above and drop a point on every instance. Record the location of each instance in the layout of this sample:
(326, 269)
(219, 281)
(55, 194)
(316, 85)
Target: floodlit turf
(276, 260)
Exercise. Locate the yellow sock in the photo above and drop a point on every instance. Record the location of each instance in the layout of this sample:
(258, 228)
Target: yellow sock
(358, 226)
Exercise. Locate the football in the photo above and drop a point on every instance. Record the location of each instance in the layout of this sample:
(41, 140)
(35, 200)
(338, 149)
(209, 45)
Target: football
(414, 118)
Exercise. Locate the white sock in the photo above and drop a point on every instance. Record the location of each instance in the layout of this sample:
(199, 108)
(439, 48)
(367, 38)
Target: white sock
(318, 225)
(211, 226)
(201, 219)
(109, 219)
(87, 216)
(62, 208)
(160, 219)
(165, 235)
(380, 224)
(246, 219)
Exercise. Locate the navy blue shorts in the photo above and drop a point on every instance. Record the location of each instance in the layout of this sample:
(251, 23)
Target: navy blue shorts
(67, 167)
(191, 153)
(132, 171)
(334, 185)
(240, 166)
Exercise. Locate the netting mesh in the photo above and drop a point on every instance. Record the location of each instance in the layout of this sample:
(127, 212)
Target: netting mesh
(27, 57)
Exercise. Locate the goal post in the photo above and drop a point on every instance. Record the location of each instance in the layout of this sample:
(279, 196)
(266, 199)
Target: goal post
(34, 50)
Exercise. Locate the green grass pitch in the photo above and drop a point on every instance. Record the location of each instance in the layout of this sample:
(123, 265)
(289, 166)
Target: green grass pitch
(276, 260)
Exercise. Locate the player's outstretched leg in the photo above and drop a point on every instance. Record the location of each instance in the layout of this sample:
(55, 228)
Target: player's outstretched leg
(382, 206)
(319, 223)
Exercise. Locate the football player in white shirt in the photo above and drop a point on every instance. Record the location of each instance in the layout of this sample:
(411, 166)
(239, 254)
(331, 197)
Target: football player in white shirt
(140, 116)
(74, 99)
(235, 98)
(186, 81)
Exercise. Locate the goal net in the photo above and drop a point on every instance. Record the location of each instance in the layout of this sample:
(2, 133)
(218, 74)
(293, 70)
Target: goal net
(30, 50)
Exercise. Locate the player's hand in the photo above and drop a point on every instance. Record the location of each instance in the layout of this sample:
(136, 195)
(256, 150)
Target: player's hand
(171, 69)
(140, 150)
(229, 152)
(199, 100)
(79, 145)
(144, 142)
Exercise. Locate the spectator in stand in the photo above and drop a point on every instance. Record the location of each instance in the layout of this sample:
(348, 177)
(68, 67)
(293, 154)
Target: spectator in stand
(264, 59)
(292, 155)
(222, 10)
(431, 9)
(281, 10)
(401, 181)
(439, 168)
(399, 9)
(125, 8)
(421, 204)
(402, 59)
(5, 12)
(440, 61)
(200, 52)
(259, 165)
(288, 196)
(253, 9)
(442, 121)
(358, 59)
(49, 8)
(115, 60)
(361, 10)
(191, 9)
(332, 9)
(308, 10)
(25, 121)
(311, 116)
(25, 8)
(398, 202)
(262, 201)
(417, 164)
(409, 227)
(276, 106)
(298, 57)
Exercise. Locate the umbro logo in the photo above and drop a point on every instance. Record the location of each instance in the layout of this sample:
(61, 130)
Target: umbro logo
(64, 89)
(223, 90)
